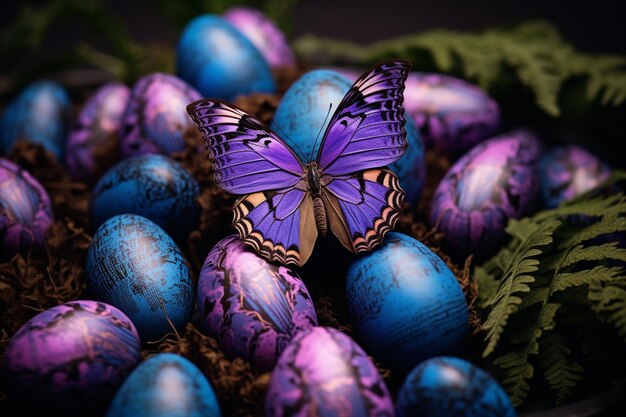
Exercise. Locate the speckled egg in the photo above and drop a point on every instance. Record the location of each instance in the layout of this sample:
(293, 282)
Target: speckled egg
(405, 303)
(220, 61)
(155, 119)
(569, 171)
(25, 211)
(253, 308)
(448, 386)
(135, 266)
(303, 115)
(40, 114)
(152, 186)
(264, 35)
(495, 181)
(451, 113)
(73, 355)
(96, 131)
(165, 385)
(323, 373)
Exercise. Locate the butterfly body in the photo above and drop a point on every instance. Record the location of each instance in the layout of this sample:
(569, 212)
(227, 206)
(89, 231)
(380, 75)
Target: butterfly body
(285, 204)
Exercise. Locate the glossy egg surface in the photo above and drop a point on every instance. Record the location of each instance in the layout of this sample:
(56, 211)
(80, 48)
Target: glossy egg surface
(405, 303)
(70, 356)
(323, 373)
(152, 186)
(448, 386)
(219, 61)
(253, 308)
(98, 124)
(165, 385)
(40, 114)
(25, 211)
(155, 119)
(495, 181)
(134, 265)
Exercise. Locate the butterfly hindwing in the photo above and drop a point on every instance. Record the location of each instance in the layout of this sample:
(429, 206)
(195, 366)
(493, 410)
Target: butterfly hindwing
(367, 130)
(278, 224)
(363, 207)
(247, 157)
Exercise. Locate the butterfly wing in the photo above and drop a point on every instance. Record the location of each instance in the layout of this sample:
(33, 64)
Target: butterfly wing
(367, 130)
(247, 157)
(363, 207)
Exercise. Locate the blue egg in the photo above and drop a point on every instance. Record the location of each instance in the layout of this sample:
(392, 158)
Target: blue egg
(165, 385)
(405, 303)
(40, 114)
(219, 61)
(152, 186)
(305, 111)
(451, 387)
(135, 266)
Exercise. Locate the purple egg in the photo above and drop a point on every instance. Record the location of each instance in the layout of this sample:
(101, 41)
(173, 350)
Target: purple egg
(263, 34)
(450, 113)
(156, 119)
(98, 123)
(569, 171)
(70, 356)
(25, 211)
(253, 308)
(324, 373)
(495, 181)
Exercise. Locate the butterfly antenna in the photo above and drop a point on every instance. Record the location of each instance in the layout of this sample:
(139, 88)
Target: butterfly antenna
(293, 143)
(320, 132)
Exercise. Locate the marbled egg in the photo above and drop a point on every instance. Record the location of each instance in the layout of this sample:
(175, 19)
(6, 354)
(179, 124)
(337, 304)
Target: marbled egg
(25, 211)
(165, 385)
(495, 181)
(96, 131)
(264, 35)
(253, 308)
(135, 266)
(40, 114)
(305, 111)
(448, 386)
(569, 171)
(405, 303)
(152, 186)
(69, 357)
(155, 119)
(449, 112)
(220, 61)
(323, 373)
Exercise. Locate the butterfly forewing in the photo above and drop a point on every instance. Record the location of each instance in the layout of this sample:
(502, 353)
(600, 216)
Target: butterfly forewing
(247, 157)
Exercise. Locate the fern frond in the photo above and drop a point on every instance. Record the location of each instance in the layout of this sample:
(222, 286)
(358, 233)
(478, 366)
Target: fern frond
(518, 371)
(487, 286)
(608, 298)
(560, 370)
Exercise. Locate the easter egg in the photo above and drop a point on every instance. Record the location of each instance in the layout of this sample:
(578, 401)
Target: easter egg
(25, 211)
(251, 307)
(165, 385)
(495, 181)
(405, 303)
(305, 111)
(264, 35)
(450, 113)
(70, 356)
(569, 171)
(155, 119)
(218, 60)
(135, 266)
(323, 373)
(40, 114)
(96, 132)
(448, 386)
(153, 186)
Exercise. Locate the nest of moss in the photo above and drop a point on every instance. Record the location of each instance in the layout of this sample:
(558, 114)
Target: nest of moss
(30, 285)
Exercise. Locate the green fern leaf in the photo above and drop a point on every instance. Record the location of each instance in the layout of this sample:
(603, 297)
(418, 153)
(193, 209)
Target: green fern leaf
(518, 371)
(560, 370)
(608, 298)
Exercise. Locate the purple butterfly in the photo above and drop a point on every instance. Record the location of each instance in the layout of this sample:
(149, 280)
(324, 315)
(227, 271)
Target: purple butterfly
(285, 203)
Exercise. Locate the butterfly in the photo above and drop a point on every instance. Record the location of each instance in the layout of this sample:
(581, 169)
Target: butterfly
(283, 203)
